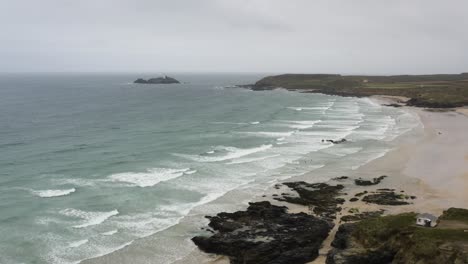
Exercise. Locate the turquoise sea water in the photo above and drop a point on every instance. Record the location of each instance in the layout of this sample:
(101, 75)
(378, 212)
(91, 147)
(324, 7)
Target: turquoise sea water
(90, 163)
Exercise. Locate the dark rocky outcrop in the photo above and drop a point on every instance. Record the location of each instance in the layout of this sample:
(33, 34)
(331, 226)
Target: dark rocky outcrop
(433, 104)
(362, 216)
(265, 233)
(385, 198)
(374, 181)
(341, 178)
(360, 194)
(159, 80)
(322, 198)
(335, 141)
(394, 105)
(345, 250)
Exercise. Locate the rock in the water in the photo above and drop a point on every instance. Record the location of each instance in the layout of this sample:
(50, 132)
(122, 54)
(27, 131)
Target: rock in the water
(374, 181)
(159, 80)
(335, 141)
(265, 233)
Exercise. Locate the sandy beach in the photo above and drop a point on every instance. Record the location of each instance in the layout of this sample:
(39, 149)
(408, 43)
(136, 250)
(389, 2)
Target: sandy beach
(429, 162)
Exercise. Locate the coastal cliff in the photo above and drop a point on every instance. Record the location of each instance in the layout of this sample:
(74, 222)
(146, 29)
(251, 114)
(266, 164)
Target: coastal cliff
(436, 91)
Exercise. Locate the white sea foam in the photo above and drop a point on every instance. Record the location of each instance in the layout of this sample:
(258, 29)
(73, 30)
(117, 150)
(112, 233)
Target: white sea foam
(304, 124)
(52, 193)
(295, 108)
(102, 251)
(190, 172)
(145, 224)
(229, 123)
(110, 233)
(255, 123)
(149, 178)
(247, 160)
(309, 108)
(342, 151)
(269, 134)
(88, 218)
(378, 155)
(210, 152)
(229, 153)
(78, 243)
(76, 181)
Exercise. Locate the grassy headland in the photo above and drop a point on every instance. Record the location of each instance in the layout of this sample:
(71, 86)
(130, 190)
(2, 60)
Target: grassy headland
(396, 239)
(438, 90)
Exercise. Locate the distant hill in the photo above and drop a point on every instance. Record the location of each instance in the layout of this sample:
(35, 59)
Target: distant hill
(437, 90)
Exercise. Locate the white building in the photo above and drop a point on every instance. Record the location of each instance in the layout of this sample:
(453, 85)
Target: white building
(427, 220)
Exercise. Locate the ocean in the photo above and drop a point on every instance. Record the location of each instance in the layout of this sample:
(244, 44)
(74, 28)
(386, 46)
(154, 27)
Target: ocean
(92, 164)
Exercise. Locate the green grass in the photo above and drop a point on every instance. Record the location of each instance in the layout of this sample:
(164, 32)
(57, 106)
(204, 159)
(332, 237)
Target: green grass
(371, 232)
(458, 214)
(441, 234)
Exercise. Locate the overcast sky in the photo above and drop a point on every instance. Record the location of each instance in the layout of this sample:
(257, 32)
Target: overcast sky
(329, 36)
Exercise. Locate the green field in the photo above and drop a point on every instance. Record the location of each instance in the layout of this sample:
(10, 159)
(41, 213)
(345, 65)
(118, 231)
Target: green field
(438, 90)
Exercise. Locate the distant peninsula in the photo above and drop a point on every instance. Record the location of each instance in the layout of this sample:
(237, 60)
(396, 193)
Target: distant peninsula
(436, 90)
(159, 80)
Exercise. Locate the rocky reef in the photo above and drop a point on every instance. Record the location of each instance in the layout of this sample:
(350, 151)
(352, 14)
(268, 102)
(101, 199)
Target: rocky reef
(322, 198)
(265, 233)
(374, 181)
(268, 234)
(343, 140)
(159, 80)
(386, 197)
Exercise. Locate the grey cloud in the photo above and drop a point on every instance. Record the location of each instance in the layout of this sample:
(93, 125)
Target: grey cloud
(365, 36)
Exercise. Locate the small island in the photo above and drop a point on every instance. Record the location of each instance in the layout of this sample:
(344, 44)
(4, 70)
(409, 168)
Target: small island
(159, 80)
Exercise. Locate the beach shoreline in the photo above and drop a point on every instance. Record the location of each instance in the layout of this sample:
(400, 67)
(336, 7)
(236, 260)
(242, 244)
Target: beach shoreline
(406, 168)
(429, 162)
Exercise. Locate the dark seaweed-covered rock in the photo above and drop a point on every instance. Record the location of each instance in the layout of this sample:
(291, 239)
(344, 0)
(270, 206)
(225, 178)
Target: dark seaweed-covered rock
(342, 236)
(362, 216)
(321, 197)
(419, 102)
(360, 194)
(374, 181)
(394, 105)
(385, 198)
(265, 233)
(354, 199)
(336, 141)
(159, 80)
(340, 178)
